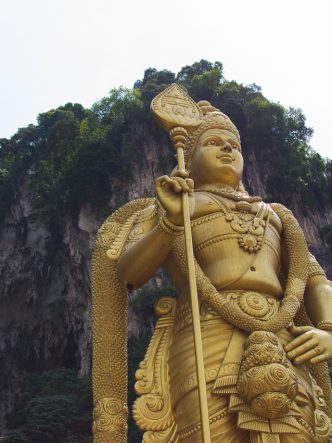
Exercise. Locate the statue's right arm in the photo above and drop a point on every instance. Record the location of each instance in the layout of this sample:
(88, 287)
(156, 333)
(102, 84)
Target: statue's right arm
(140, 261)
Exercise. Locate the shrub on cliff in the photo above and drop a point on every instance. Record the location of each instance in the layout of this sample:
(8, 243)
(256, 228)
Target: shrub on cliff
(54, 406)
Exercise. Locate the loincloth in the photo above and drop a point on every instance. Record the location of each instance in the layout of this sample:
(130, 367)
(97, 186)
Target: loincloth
(223, 348)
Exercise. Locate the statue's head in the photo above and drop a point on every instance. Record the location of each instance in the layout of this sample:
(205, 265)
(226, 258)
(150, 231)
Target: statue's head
(212, 118)
(213, 153)
(213, 147)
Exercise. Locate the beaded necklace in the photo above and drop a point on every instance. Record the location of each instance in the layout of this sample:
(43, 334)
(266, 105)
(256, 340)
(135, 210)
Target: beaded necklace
(232, 194)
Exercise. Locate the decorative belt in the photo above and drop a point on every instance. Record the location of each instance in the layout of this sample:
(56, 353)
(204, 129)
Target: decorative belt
(255, 304)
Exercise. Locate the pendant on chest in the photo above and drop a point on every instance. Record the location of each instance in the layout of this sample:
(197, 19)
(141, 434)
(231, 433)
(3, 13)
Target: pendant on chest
(251, 227)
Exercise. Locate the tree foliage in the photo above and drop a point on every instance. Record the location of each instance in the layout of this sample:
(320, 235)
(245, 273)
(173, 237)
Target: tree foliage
(54, 406)
(202, 79)
(73, 154)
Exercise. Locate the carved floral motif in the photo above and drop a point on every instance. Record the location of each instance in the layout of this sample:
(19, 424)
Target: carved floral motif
(110, 415)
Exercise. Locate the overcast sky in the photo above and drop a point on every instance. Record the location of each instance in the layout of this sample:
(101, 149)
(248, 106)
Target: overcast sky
(56, 51)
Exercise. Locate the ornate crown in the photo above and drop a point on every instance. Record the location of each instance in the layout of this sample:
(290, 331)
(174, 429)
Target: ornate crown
(174, 107)
(212, 118)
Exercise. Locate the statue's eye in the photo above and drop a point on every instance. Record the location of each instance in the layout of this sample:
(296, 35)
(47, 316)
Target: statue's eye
(211, 142)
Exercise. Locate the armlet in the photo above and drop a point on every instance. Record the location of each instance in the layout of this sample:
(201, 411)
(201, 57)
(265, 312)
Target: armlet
(314, 267)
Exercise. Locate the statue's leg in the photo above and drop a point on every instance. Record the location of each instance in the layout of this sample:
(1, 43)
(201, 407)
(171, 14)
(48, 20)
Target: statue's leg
(223, 426)
(216, 335)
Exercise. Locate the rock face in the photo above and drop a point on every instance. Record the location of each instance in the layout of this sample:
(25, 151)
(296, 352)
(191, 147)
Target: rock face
(45, 304)
(45, 294)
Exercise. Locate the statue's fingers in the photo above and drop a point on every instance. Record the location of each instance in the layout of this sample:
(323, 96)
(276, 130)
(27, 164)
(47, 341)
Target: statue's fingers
(172, 183)
(179, 173)
(175, 186)
(298, 341)
(161, 182)
(318, 350)
(301, 349)
(181, 183)
(166, 187)
(319, 359)
(298, 330)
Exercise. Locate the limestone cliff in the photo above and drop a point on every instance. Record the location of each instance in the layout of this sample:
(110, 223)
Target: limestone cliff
(45, 272)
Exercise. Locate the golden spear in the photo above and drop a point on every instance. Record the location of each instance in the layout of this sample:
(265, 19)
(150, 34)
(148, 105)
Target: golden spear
(174, 110)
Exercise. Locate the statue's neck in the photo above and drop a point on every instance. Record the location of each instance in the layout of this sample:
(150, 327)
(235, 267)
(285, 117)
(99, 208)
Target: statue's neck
(229, 193)
(217, 185)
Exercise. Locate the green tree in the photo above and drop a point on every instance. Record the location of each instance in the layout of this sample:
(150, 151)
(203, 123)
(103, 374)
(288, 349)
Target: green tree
(153, 82)
(202, 79)
(54, 405)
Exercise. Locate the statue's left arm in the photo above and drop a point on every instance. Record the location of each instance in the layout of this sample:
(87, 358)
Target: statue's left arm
(314, 344)
(318, 296)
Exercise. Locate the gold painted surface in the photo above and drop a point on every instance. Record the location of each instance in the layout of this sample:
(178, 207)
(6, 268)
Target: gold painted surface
(152, 411)
(173, 107)
(263, 381)
(109, 372)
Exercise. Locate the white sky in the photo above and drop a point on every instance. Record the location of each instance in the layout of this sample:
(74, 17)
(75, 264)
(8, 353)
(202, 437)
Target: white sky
(56, 51)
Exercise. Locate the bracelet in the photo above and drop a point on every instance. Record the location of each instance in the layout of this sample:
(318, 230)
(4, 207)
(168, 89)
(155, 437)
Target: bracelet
(168, 227)
(326, 325)
(316, 272)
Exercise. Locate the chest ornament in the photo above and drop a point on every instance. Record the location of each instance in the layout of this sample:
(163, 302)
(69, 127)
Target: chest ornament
(251, 227)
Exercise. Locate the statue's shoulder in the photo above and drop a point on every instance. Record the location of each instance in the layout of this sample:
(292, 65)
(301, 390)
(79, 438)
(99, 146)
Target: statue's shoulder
(279, 207)
(205, 204)
(279, 213)
(285, 215)
(115, 229)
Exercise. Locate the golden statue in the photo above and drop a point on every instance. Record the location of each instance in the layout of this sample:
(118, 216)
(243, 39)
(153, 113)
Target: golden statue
(241, 355)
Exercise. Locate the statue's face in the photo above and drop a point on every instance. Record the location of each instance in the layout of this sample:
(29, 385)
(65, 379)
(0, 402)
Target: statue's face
(217, 159)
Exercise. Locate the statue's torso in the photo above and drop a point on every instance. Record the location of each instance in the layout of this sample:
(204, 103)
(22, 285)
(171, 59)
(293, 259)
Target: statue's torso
(230, 268)
(217, 245)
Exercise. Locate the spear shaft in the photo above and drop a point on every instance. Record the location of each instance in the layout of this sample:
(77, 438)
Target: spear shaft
(178, 137)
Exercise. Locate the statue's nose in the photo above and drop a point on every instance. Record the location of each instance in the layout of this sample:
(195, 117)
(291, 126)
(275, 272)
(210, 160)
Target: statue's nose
(227, 148)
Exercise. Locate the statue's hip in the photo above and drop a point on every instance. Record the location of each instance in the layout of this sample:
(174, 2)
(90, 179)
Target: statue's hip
(224, 349)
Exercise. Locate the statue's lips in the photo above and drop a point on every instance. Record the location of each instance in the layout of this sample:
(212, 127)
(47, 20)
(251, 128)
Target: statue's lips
(226, 158)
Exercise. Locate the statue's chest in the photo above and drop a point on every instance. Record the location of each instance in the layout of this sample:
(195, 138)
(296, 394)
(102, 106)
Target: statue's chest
(240, 225)
(210, 226)
(245, 230)
(232, 244)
